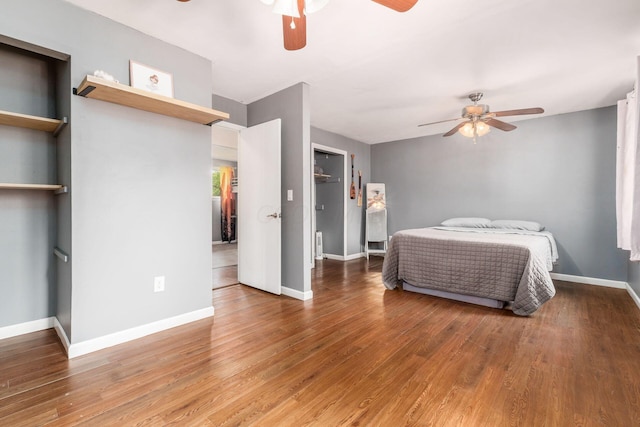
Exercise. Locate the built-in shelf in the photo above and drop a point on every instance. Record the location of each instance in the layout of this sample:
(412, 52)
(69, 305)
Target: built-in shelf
(323, 178)
(49, 187)
(31, 122)
(117, 93)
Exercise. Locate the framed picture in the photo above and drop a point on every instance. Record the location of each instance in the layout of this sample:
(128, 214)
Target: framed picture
(150, 79)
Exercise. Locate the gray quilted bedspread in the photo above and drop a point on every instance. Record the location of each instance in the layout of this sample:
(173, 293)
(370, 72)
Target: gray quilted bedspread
(505, 267)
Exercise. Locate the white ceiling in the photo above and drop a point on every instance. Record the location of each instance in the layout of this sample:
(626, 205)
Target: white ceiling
(375, 74)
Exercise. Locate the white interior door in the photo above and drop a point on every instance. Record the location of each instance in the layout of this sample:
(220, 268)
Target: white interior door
(259, 207)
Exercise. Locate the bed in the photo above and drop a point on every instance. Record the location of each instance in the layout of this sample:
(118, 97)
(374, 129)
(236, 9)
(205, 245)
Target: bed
(493, 263)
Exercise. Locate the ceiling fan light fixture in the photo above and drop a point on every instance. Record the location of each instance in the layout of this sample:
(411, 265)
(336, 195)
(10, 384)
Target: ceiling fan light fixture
(286, 7)
(482, 128)
(475, 129)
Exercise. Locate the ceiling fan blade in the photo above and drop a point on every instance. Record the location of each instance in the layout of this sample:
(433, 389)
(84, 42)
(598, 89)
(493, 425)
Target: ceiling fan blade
(500, 125)
(295, 35)
(397, 5)
(455, 129)
(519, 112)
(441, 121)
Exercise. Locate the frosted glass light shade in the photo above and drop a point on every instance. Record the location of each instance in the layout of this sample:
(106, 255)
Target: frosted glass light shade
(467, 130)
(286, 7)
(473, 129)
(290, 7)
(482, 128)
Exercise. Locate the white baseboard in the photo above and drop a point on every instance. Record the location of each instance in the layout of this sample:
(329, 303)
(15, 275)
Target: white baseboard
(62, 335)
(344, 258)
(294, 293)
(633, 295)
(26, 327)
(590, 280)
(95, 344)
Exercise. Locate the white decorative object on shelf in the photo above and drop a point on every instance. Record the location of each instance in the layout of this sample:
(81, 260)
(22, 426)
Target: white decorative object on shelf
(104, 75)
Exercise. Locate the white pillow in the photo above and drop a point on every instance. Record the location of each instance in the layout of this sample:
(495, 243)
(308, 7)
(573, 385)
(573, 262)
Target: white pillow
(467, 222)
(514, 224)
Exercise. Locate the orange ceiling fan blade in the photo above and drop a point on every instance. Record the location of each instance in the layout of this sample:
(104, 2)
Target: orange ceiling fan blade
(397, 5)
(455, 129)
(294, 29)
(519, 112)
(499, 124)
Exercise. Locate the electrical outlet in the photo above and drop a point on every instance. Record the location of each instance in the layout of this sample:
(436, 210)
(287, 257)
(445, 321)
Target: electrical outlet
(158, 284)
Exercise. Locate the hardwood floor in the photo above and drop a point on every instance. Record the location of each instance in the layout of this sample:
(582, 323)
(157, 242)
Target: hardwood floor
(354, 355)
(225, 265)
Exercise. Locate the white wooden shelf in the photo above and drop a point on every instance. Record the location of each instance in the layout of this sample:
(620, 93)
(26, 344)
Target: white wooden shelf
(49, 187)
(31, 122)
(117, 93)
(322, 178)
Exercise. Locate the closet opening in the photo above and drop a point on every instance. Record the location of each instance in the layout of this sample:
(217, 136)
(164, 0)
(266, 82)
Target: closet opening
(329, 207)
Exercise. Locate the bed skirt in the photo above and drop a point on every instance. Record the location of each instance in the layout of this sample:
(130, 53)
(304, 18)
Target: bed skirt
(487, 302)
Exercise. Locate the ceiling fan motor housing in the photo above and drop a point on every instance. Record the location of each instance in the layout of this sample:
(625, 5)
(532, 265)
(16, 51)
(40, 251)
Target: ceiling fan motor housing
(477, 110)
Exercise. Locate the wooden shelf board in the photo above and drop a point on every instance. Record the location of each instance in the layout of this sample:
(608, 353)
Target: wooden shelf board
(11, 186)
(26, 121)
(118, 93)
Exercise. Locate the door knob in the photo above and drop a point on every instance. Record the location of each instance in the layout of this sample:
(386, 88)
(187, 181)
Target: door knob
(274, 215)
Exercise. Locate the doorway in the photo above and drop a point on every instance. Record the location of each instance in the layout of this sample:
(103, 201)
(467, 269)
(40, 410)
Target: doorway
(224, 191)
(328, 193)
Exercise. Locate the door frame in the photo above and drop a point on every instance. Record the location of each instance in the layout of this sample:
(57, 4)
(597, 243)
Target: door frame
(344, 154)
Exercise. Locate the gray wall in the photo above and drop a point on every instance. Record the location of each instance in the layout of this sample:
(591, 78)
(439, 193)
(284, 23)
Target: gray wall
(330, 200)
(355, 214)
(633, 272)
(557, 170)
(140, 192)
(237, 111)
(292, 106)
(27, 218)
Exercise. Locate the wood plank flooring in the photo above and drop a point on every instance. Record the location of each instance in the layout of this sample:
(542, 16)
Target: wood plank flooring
(356, 354)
